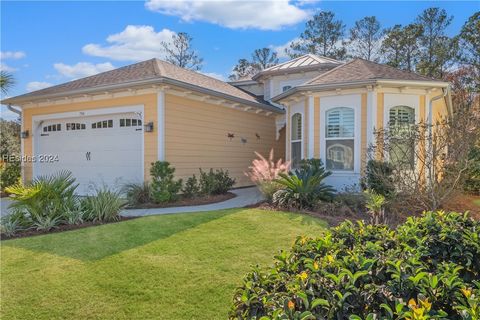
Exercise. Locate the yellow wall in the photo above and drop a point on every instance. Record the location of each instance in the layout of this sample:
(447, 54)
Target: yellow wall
(363, 141)
(196, 137)
(379, 124)
(149, 101)
(316, 131)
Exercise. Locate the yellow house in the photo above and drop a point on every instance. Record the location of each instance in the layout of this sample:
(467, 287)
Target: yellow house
(108, 128)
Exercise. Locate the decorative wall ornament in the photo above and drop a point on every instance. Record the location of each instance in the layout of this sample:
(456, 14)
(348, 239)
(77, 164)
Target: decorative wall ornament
(257, 135)
(230, 136)
(244, 140)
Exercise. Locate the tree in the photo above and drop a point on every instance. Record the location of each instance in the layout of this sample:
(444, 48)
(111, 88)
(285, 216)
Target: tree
(264, 58)
(365, 39)
(322, 36)
(437, 51)
(6, 81)
(400, 47)
(180, 53)
(470, 44)
(243, 70)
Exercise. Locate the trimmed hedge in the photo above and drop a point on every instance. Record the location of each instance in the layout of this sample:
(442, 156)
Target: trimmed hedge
(429, 268)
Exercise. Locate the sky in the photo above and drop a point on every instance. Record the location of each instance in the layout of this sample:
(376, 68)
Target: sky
(44, 43)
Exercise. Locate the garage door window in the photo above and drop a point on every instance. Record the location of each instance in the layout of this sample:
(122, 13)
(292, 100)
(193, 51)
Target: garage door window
(130, 123)
(76, 126)
(52, 127)
(102, 124)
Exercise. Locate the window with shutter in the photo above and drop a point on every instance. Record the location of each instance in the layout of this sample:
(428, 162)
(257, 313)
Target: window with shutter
(401, 121)
(296, 140)
(340, 139)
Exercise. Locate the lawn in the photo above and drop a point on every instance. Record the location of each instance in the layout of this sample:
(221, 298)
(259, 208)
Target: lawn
(183, 266)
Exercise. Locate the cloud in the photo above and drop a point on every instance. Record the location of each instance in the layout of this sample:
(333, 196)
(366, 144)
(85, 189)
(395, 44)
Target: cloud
(12, 55)
(7, 68)
(214, 75)
(37, 85)
(82, 69)
(280, 49)
(135, 43)
(264, 15)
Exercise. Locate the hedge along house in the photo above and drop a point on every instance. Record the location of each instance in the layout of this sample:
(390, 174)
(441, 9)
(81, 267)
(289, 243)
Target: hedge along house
(108, 128)
(335, 115)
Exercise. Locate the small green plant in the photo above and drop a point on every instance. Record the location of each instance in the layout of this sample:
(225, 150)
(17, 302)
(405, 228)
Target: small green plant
(375, 204)
(472, 180)
(191, 188)
(73, 217)
(164, 188)
(9, 174)
(215, 182)
(104, 206)
(9, 226)
(46, 223)
(378, 178)
(137, 193)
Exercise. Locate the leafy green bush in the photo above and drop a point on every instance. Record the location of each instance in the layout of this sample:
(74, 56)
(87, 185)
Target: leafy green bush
(9, 225)
(427, 269)
(164, 188)
(45, 199)
(215, 182)
(104, 206)
(304, 187)
(137, 193)
(472, 181)
(378, 178)
(191, 188)
(9, 174)
(375, 203)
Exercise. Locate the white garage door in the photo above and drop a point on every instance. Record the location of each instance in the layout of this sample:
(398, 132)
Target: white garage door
(102, 150)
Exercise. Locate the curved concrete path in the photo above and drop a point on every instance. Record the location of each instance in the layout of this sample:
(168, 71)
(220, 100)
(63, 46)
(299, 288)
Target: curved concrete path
(244, 197)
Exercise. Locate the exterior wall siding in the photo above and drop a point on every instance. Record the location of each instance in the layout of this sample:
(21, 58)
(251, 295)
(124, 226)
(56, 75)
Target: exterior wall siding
(196, 137)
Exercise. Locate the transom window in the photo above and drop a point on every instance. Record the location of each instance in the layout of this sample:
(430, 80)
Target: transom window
(76, 126)
(52, 127)
(340, 139)
(102, 124)
(285, 88)
(130, 123)
(401, 121)
(296, 140)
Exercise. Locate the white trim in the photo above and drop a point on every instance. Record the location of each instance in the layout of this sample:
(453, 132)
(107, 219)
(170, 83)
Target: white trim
(22, 147)
(161, 124)
(303, 134)
(311, 127)
(36, 125)
(371, 117)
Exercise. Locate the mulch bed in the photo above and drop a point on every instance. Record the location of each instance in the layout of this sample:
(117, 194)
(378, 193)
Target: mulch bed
(61, 228)
(183, 202)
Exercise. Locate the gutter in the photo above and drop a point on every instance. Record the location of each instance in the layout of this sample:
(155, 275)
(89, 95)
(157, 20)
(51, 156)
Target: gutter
(9, 107)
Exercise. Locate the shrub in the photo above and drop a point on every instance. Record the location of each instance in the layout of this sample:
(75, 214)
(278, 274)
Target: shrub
(9, 174)
(137, 193)
(46, 223)
(375, 204)
(378, 178)
(191, 188)
(428, 268)
(9, 226)
(215, 182)
(45, 199)
(164, 188)
(263, 172)
(472, 181)
(104, 206)
(304, 187)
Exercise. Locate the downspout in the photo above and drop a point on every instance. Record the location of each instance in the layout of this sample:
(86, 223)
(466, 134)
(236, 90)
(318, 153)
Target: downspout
(9, 107)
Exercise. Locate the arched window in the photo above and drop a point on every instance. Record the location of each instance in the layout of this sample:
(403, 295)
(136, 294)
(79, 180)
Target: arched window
(296, 139)
(285, 88)
(402, 144)
(340, 139)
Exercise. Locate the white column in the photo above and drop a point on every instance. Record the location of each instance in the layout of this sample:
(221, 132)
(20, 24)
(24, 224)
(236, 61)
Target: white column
(311, 127)
(161, 124)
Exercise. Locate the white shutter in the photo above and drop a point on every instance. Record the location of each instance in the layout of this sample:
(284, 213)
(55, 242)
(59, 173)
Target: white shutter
(340, 123)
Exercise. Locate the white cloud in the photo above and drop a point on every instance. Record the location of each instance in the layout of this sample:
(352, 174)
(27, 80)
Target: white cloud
(214, 75)
(37, 85)
(7, 68)
(82, 69)
(12, 55)
(280, 49)
(264, 15)
(135, 43)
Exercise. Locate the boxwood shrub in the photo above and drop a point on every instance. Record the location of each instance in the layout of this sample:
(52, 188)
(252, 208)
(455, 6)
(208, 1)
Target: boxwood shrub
(428, 268)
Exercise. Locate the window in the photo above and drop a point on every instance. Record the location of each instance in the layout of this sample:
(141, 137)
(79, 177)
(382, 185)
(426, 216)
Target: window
(285, 88)
(130, 123)
(102, 124)
(340, 139)
(52, 127)
(76, 126)
(401, 120)
(296, 140)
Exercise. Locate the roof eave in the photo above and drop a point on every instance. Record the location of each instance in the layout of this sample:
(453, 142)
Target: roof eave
(293, 70)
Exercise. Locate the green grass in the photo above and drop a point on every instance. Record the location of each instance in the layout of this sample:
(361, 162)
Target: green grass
(183, 266)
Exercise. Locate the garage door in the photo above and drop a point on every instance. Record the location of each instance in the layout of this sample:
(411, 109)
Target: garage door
(99, 150)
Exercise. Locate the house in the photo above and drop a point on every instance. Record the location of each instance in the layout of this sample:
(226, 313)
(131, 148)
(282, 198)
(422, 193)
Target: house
(108, 128)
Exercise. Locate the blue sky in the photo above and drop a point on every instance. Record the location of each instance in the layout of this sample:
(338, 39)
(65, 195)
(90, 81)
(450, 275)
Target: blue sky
(46, 43)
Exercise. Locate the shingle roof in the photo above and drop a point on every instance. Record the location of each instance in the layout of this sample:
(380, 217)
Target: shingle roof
(146, 70)
(305, 62)
(363, 70)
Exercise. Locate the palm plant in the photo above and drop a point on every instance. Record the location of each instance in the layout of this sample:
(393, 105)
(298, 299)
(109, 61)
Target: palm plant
(6, 81)
(104, 206)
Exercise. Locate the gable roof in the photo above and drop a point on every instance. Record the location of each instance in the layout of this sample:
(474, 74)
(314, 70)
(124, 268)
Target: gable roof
(305, 62)
(360, 70)
(151, 71)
